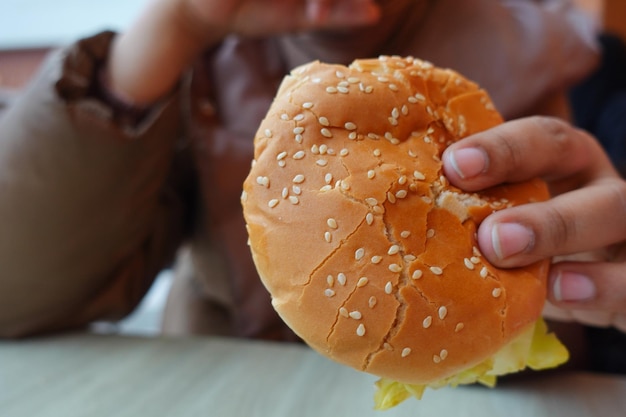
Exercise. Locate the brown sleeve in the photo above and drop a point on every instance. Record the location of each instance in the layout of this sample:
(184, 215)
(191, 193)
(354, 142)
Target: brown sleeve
(93, 201)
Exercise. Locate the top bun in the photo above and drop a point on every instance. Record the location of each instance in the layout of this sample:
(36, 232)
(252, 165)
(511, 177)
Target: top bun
(369, 253)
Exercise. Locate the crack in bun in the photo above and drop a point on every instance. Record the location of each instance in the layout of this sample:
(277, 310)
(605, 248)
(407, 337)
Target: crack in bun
(369, 253)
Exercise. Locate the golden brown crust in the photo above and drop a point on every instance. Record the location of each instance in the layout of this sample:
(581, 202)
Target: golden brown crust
(369, 253)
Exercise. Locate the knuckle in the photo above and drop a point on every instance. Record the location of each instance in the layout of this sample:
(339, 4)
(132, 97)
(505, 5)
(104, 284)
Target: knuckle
(561, 229)
(506, 154)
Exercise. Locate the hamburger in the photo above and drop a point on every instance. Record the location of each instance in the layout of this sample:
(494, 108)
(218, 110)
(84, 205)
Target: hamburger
(369, 253)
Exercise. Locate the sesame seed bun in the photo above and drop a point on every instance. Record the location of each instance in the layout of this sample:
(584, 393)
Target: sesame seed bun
(369, 253)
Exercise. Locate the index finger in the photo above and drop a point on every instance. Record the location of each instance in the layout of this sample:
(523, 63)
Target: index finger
(523, 149)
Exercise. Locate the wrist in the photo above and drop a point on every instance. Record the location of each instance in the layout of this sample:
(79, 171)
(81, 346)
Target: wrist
(147, 60)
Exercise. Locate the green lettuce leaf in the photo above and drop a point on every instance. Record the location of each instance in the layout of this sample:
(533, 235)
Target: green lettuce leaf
(535, 348)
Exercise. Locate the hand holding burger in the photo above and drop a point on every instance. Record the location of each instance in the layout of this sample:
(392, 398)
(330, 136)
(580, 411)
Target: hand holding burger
(583, 226)
(370, 254)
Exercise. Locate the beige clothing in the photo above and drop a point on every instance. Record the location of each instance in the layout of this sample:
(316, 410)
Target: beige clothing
(97, 199)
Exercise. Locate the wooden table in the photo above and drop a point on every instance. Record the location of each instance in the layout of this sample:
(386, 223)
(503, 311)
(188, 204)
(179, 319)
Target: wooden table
(117, 376)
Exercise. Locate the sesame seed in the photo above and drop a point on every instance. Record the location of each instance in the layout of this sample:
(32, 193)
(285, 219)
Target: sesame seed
(443, 312)
(298, 138)
(475, 260)
(285, 192)
(383, 79)
(406, 352)
(299, 117)
(323, 121)
(264, 181)
(395, 113)
(321, 162)
(341, 278)
(331, 90)
(393, 250)
(326, 188)
(244, 196)
(409, 258)
(273, 203)
(405, 110)
(443, 354)
(402, 180)
(372, 302)
(344, 152)
(359, 253)
(369, 218)
(330, 280)
(353, 80)
(497, 292)
(343, 90)
(282, 163)
(395, 268)
(430, 233)
(329, 293)
(401, 194)
(298, 130)
(360, 331)
(468, 264)
(459, 327)
(328, 178)
(307, 105)
(405, 233)
(284, 116)
(268, 133)
(344, 312)
(436, 270)
(350, 126)
(369, 89)
(391, 198)
(436, 358)
(332, 223)
(376, 259)
(388, 287)
(315, 149)
(484, 272)
(388, 347)
(339, 74)
(417, 274)
(355, 315)
(420, 97)
(376, 152)
(352, 136)
(371, 174)
(371, 201)
(298, 179)
(298, 155)
(362, 282)
(428, 321)
(293, 199)
(326, 133)
(328, 237)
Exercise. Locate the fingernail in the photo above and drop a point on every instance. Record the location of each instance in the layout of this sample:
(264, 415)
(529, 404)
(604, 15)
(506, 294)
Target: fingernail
(509, 239)
(570, 286)
(468, 162)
